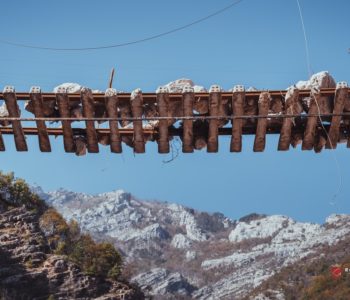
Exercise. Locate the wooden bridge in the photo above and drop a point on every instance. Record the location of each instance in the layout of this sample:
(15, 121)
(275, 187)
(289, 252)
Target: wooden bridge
(315, 118)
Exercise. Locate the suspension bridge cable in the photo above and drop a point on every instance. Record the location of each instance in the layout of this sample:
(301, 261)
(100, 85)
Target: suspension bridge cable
(152, 37)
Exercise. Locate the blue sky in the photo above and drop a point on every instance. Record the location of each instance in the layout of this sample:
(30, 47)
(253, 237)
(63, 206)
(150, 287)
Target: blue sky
(256, 43)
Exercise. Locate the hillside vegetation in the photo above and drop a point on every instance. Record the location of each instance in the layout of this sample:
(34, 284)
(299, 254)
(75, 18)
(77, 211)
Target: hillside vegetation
(32, 233)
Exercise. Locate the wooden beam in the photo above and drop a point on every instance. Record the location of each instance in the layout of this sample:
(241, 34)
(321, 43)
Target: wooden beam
(310, 131)
(238, 101)
(13, 109)
(214, 106)
(137, 112)
(62, 101)
(291, 100)
(260, 136)
(188, 101)
(88, 112)
(163, 108)
(341, 95)
(111, 102)
(36, 98)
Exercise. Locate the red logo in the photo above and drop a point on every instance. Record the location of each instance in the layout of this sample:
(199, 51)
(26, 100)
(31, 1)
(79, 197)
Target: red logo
(336, 272)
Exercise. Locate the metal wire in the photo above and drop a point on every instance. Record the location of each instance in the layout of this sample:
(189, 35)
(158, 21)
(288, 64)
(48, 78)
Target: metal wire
(155, 118)
(126, 43)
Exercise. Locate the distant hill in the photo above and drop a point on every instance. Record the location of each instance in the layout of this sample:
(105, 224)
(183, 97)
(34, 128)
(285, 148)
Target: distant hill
(175, 252)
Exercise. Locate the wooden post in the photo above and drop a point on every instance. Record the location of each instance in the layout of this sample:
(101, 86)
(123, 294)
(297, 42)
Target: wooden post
(137, 112)
(36, 98)
(310, 131)
(214, 106)
(14, 112)
(238, 100)
(187, 100)
(292, 98)
(163, 107)
(341, 95)
(260, 136)
(63, 108)
(111, 102)
(88, 112)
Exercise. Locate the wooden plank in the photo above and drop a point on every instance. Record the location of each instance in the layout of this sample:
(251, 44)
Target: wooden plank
(291, 100)
(137, 111)
(260, 136)
(188, 101)
(310, 130)
(88, 112)
(62, 101)
(111, 102)
(36, 98)
(163, 107)
(214, 107)
(14, 112)
(238, 101)
(341, 95)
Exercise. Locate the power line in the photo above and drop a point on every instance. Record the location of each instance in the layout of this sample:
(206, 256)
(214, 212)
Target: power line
(152, 37)
(307, 52)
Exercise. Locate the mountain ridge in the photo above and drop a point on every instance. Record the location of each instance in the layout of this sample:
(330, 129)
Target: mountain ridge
(175, 251)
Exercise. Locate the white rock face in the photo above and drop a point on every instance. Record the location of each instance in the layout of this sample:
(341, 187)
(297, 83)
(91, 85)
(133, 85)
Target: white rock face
(182, 244)
(177, 86)
(319, 80)
(163, 282)
(180, 241)
(262, 228)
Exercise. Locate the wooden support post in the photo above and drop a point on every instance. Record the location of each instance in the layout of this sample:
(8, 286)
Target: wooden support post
(111, 102)
(214, 107)
(187, 101)
(14, 112)
(238, 101)
(62, 101)
(88, 112)
(36, 98)
(137, 112)
(341, 95)
(310, 131)
(260, 136)
(163, 107)
(292, 97)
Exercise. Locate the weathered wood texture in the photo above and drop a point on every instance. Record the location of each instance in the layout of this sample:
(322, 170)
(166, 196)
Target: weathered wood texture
(214, 107)
(341, 96)
(163, 107)
(88, 112)
(111, 102)
(310, 130)
(13, 109)
(260, 136)
(63, 108)
(188, 101)
(238, 101)
(36, 98)
(292, 98)
(137, 112)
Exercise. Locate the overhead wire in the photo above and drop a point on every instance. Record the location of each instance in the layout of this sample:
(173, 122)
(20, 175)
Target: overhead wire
(142, 40)
(308, 61)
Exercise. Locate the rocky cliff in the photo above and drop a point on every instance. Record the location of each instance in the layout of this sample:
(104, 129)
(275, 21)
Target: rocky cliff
(30, 264)
(175, 252)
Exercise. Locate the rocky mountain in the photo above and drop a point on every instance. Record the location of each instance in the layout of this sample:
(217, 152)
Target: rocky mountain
(43, 257)
(175, 252)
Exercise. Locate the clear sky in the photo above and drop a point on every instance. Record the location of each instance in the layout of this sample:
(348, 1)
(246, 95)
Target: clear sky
(256, 43)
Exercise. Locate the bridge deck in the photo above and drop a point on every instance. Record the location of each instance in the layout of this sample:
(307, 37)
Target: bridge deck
(316, 119)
